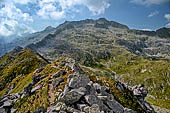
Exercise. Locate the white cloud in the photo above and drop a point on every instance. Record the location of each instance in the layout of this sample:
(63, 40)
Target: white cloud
(149, 2)
(12, 27)
(24, 1)
(97, 7)
(10, 11)
(167, 25)
(49, 10)
(167, 16)
(153, 13)
(13, 21)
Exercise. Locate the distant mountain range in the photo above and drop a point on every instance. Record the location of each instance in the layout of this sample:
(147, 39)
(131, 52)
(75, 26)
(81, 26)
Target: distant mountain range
(121, 34)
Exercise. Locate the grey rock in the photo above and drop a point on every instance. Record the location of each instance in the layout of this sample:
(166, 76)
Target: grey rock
(56, 82)
(73, 96)
(78, 80)
(13, 110)
(95, 108)
(126, 110)
(115, 106)
(36, 88)
(2, 110)
(72, 110)
(81, 106)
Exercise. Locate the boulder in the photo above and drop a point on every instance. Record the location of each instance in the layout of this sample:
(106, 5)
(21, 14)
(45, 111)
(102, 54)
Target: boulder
(56, 82)
(73, 96)
(115, 106)
(78, 80)
(126, 110)
(2, 110)
(36, 88)
(95, 108)
(81, 106)
(27, 90)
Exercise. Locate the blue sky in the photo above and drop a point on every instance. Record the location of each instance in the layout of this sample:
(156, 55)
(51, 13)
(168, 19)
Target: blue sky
(18, 17)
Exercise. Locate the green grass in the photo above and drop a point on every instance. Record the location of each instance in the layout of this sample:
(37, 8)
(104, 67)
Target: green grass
(132, 69)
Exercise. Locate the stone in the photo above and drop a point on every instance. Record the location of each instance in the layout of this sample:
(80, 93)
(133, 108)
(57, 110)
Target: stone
(73, 96)
(81, 106)
(56, 82)
(115, 106)
(78, 80)
(36, 88)
(2, 110)
(7, 104)
(126, 110)
(59, 106)
(86, 109)
(120, 86)
(13, 110)
(139, 91)
(59, 73)
(27, 90)
(95, 108)
(90, 90)
(72, 110)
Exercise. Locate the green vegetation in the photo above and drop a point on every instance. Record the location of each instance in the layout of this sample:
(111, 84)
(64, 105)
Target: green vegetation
(132, 69)
(16, 69)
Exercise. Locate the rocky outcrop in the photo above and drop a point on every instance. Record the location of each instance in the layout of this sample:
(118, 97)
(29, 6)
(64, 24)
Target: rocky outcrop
(83, 95)
(6, 102)
(139, 92)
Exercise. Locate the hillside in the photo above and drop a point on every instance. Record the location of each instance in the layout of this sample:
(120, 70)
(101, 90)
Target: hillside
(64, 86)
(18, 64)
(105, 50)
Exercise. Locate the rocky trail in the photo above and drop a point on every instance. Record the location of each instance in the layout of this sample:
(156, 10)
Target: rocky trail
(51, 93)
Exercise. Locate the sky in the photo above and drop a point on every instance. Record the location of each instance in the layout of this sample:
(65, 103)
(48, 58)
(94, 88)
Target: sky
(19, 17)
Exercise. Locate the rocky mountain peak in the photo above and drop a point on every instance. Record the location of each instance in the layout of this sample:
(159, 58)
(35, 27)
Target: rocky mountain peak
(49, 28)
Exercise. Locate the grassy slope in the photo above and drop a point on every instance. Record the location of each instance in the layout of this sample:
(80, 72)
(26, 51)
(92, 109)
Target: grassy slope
(132, 69)
(18, 67)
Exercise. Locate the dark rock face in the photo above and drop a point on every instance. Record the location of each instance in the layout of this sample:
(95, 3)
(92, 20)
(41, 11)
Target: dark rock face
(36, 78)
(27, 90)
